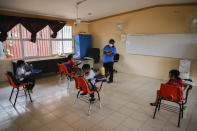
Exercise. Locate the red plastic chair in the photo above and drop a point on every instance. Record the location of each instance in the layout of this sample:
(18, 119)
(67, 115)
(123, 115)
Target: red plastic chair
(60, 69)
(63, 71)
(173, 94)
(76, 83)
(82, 86)
(15, 85)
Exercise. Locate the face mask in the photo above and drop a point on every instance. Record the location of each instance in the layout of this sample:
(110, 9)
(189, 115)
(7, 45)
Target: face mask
(110, 45)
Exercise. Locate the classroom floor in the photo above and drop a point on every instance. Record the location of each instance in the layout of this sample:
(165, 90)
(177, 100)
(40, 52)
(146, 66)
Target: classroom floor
(125, 107)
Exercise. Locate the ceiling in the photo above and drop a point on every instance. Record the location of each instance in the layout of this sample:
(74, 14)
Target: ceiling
(66, 8)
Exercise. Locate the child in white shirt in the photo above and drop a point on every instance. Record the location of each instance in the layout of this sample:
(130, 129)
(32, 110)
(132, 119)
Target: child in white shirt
(24, 75)
(89, 76)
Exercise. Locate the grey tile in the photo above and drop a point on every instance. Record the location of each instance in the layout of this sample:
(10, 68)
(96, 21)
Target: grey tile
(125, 106)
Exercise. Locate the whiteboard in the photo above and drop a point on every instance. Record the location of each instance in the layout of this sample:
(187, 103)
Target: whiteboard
(164, 45)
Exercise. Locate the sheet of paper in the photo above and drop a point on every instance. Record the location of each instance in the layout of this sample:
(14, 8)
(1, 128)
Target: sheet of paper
(27, 73)
(184, 68)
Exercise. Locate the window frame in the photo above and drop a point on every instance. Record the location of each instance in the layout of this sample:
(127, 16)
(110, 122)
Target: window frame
(22, 40)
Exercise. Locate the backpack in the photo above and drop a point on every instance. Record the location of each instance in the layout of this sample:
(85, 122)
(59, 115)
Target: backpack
(68, 68)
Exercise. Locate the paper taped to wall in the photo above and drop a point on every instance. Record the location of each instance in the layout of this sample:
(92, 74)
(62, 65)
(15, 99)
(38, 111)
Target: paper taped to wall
(184, 68)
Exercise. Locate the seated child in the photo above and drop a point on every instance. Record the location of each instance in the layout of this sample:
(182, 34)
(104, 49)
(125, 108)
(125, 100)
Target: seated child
(175, 80)
(24, 75)
(71, 63)
(89, 76)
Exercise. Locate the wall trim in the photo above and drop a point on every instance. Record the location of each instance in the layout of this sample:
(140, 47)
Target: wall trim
(145, 8)
(71, 21)
(31, 15)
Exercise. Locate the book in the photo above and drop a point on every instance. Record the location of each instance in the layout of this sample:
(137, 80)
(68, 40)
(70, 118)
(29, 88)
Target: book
(189, 82)
(108, 51)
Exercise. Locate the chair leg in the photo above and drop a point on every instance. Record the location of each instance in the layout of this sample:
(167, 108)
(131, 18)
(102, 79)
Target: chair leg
(25, 91)
(159, 105)
(61, 76)
(89, 110)
(100, 106)
(98, 95)
(99, 99)
(11, 93)
(68, 80)
(180, 112)
(29, 96)
(155, 111)
(77, 97)
(69, 83)
(68, 77)
(16, 96)
(101, 85)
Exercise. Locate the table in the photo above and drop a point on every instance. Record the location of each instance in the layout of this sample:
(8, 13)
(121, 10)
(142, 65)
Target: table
(46, 64)
(87, 61)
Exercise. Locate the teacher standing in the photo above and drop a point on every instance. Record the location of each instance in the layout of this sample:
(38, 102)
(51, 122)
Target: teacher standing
(109, 52)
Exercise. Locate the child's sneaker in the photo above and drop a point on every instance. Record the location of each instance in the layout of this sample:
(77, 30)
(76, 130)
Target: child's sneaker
(25, 88)
(184, 107)
(31, 91)
(92, 99)
(84, 93)
(109, 82)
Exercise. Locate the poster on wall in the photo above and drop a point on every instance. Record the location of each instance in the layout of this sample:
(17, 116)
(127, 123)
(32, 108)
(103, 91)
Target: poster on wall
(184, 68)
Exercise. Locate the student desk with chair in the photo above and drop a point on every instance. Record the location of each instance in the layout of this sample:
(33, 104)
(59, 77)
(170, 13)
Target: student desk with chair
(173, 94)
(81, 84)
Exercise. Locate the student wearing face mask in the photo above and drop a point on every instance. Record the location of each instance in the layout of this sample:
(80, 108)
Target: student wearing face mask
(89, 76)
(109, 52)
(24, 75)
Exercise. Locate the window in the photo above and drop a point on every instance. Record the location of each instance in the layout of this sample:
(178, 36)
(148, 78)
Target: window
(18, 44)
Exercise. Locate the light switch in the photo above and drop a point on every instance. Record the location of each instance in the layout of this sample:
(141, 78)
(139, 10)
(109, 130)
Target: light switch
(123, 37)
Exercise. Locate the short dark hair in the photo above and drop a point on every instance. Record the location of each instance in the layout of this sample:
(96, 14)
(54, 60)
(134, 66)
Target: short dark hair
(111, 41)
(70, 56)
(86, 67)
(20, 63)
(80, 72)
(175, 73)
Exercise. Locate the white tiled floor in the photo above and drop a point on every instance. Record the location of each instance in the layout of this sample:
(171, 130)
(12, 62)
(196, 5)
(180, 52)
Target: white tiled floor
(125, 107)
